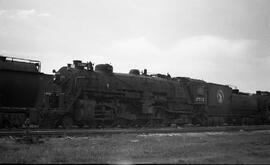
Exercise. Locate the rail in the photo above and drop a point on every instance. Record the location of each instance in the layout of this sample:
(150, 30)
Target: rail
(110, 131)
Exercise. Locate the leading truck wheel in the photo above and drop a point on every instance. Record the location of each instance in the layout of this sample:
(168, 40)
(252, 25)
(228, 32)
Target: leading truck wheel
(67, 122)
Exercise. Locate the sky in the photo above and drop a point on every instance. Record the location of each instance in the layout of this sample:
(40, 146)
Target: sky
(220, 41)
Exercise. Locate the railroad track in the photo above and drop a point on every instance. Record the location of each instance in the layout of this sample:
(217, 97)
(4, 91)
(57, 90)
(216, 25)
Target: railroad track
(89, 132)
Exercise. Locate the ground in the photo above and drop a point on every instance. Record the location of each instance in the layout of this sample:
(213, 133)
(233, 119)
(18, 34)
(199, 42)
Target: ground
(220, 147)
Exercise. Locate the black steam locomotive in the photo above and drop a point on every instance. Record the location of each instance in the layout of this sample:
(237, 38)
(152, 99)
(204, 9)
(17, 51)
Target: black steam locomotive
(80, 95)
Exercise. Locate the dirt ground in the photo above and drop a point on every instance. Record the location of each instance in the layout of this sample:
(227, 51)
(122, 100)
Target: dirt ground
(220, 147)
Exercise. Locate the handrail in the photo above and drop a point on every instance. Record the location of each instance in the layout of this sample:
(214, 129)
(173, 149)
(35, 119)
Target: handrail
(9, 58)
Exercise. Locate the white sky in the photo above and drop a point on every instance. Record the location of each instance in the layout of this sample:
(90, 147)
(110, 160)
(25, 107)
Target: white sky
(220, 41)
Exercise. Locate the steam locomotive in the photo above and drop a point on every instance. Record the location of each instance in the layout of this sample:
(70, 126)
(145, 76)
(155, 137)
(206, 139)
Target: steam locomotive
(81, 94)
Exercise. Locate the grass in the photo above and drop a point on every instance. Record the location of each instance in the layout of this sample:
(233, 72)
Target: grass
(238, 147)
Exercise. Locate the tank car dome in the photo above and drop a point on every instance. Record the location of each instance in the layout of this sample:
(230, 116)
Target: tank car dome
(105, 68)
(134, 71)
